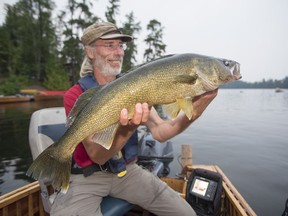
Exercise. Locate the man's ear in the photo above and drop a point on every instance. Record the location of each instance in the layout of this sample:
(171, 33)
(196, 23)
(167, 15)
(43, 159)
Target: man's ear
(89, 52)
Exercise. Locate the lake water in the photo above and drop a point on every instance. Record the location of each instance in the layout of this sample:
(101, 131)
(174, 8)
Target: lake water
(244, 132)
(15, 155)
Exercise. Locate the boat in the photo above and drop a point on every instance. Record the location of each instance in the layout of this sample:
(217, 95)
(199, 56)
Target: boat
(27, 199)
(29, 91)
(15, 99)
(35, 198)
(27, 95)
(49, 95)
(278, 90)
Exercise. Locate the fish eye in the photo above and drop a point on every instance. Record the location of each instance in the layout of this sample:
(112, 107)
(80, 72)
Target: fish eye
(226, 63)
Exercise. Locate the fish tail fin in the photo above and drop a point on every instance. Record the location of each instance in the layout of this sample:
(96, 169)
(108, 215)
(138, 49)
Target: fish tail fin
(49, 166)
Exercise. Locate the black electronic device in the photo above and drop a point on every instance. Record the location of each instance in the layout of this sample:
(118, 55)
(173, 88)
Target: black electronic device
(203, 188)
(204, 191)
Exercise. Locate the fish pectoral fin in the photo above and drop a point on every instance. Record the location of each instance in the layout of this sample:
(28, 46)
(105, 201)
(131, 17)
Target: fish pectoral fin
(172, 110)
(80, 103)
(186, 105)
(186, 78)
(106, 136)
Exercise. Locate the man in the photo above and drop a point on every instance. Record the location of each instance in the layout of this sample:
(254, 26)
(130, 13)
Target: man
(97, 172)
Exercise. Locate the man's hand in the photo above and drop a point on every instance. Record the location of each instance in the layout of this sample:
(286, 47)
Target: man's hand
(141, 114)
(101, 155)
(201, 102)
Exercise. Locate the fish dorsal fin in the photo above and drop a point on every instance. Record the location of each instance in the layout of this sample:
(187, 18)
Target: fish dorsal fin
(173, 109)
(106, 136)
(151, 61)
(186, 78)
(80, 103)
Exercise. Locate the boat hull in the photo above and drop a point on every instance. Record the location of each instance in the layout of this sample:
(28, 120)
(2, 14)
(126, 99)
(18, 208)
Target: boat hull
(27, 200)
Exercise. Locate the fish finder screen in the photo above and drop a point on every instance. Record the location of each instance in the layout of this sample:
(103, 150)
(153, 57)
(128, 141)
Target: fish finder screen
(200, 186)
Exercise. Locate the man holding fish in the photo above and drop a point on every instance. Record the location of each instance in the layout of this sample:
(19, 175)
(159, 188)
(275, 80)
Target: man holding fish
(99, 170)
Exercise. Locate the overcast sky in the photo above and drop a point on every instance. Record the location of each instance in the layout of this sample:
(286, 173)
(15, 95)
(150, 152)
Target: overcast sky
(252, 32)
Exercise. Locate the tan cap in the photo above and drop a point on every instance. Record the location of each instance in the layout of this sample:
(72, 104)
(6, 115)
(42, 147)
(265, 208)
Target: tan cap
(103, 30)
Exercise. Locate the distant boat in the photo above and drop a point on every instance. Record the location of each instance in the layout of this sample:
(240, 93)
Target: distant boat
(15, 99)
(27, 95)
(49, 95)
(277, 90)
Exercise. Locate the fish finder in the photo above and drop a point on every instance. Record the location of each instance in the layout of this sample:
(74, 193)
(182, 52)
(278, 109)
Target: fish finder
(204, 188)
(204, 191)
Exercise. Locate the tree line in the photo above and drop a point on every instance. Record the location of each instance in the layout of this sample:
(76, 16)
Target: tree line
(39, 46)
(260, 85)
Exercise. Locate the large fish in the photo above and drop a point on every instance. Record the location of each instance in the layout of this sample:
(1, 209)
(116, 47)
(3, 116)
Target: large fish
(170, 81)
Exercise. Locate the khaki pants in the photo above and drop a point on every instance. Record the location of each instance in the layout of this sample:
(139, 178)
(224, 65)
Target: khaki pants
(138, 186)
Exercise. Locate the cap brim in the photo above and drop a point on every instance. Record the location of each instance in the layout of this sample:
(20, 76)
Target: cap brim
(124, 38)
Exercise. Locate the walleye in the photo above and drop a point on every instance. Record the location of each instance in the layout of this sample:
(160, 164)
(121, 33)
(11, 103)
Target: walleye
(171, 81)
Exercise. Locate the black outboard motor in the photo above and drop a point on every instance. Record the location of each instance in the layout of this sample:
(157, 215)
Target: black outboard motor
(153, 155)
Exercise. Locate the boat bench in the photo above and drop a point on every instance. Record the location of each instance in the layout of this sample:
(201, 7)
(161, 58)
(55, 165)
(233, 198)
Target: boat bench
(47, 126)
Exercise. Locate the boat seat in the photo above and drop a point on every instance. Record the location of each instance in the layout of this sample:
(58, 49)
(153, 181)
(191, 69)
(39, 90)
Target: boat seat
(47, 126)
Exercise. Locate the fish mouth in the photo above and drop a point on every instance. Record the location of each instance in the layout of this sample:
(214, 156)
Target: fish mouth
(236, 75)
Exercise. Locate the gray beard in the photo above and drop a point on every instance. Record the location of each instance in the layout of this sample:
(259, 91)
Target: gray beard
(106, 69)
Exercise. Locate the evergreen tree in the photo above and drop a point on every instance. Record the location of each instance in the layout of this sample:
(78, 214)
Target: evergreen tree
(112, 11)
(72, 22)
(46, 41)
(8, 54)
(17, 28)
(31, 38)
(156, 48)
(130, 28)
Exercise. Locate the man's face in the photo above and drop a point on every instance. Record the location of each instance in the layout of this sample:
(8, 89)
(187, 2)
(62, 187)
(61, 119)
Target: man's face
(108, 56)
